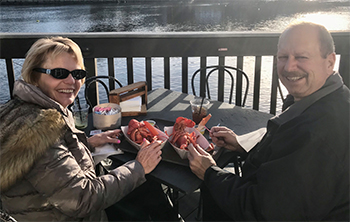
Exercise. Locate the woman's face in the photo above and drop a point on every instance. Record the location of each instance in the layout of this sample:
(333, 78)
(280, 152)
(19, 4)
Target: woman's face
(65, 90)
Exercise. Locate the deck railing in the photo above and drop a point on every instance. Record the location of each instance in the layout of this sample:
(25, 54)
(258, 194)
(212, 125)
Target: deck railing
(169, 45)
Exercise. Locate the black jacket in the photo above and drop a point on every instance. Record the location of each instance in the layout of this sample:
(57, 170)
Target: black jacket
(300, 169)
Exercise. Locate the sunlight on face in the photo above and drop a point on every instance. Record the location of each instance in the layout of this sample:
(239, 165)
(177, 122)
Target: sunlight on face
(65, 90)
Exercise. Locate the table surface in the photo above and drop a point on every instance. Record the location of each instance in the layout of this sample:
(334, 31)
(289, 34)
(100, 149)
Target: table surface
(164, 106)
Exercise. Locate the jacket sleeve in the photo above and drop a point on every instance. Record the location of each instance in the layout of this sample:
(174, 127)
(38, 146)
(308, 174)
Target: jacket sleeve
(75, 190)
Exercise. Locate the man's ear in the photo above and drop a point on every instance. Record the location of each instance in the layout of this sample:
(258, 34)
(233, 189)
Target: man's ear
(331, 62)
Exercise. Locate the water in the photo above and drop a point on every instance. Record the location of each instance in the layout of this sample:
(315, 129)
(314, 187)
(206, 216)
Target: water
(232, 15)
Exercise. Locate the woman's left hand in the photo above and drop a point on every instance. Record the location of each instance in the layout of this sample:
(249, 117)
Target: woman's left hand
(109, 136)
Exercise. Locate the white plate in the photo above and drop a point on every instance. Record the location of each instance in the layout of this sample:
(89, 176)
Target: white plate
(161, 136)
(201, 140)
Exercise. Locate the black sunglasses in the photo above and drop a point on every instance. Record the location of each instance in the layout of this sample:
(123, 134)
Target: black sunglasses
(60, 73)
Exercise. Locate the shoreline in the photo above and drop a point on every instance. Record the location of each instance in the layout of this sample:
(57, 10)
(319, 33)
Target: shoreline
(76, 2)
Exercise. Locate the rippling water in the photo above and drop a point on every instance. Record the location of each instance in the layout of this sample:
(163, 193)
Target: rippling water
(234, 15)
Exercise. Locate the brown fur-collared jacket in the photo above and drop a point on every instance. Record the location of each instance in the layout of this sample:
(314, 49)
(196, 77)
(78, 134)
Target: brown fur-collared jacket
(46, 169)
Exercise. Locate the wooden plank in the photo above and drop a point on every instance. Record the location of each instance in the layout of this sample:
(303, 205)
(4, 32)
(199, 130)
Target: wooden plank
(128, 92)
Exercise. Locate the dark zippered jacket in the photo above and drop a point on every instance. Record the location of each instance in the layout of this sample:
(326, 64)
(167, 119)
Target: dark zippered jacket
(300, 169)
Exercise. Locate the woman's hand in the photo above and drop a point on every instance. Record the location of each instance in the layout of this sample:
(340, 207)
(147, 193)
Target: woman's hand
(149, 155)
(200, 160)
(224, 137)
(100, 139)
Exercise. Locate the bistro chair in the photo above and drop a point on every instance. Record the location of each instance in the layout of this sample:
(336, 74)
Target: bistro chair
(97, 79)
(234, 158)
(226, 70)
(5, 217)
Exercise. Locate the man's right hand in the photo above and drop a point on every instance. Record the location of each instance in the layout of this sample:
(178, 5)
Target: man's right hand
(149, 155)
(224, 137)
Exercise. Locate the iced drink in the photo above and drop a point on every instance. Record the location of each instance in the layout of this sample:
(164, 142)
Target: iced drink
(199, 111)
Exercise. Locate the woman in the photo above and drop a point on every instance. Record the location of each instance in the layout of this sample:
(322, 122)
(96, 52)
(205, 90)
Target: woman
(47, 172)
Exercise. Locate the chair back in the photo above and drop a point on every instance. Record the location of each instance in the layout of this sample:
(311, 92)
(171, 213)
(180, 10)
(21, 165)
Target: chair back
(5, 217)
(94, 79)
(226, 70)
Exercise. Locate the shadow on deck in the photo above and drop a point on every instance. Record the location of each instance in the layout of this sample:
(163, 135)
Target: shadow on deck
(188, 204)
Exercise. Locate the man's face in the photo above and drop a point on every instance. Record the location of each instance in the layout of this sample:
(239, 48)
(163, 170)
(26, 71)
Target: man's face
(300, 65)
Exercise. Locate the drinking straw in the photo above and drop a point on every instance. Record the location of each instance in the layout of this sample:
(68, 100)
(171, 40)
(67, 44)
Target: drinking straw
(79, 107)
(200, 108)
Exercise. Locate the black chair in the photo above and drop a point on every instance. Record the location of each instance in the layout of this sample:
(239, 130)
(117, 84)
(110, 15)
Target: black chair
(94, 79)
(226, 70)
(5, 217)
(235, 159)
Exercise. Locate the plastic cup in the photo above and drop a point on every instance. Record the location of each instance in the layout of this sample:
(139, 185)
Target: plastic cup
(80, 115)
(198, 112)
(202, 131)
(152, 122)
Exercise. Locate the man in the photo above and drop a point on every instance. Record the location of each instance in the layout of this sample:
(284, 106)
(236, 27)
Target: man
(300, 168)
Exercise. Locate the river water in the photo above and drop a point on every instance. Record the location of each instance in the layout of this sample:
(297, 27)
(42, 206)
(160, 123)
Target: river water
(230, 15)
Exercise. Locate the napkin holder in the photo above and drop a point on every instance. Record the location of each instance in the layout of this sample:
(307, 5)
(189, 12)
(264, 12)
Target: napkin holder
(129, 92)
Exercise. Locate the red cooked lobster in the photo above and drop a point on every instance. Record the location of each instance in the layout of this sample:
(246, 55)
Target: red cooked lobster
(139, 130)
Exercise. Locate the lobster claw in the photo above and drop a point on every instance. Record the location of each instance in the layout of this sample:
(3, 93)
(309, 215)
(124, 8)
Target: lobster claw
(151, 128)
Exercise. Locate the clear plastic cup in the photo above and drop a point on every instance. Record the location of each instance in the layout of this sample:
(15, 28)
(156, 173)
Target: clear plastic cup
(81, 115)
(198, 112)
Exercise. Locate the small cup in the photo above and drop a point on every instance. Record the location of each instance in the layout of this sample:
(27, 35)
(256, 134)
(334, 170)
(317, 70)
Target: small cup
(202, 131)
(199, 113)
(107, 120)
(81, 115)
(152, 122)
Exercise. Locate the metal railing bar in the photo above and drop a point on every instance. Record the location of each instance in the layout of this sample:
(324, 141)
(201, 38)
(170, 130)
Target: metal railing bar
(274, 85)
(149, 72)
(239, 81)
(221, 79)
(111, 73)
(130, 70)
(202, 79)
(10, 75)
(167, 72)
(184, 72)
(257, 79)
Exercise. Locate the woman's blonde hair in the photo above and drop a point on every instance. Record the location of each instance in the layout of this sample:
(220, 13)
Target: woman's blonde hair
(42, 49)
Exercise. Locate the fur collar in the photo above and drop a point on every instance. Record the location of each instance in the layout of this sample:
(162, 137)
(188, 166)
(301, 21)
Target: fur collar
(27, 131)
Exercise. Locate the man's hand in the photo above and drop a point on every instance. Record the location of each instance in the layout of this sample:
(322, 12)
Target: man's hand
(149, 155)
(100, 139)
(224, 137)
(200, 160)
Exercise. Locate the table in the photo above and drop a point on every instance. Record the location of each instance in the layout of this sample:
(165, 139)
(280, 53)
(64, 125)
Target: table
(167, 105)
